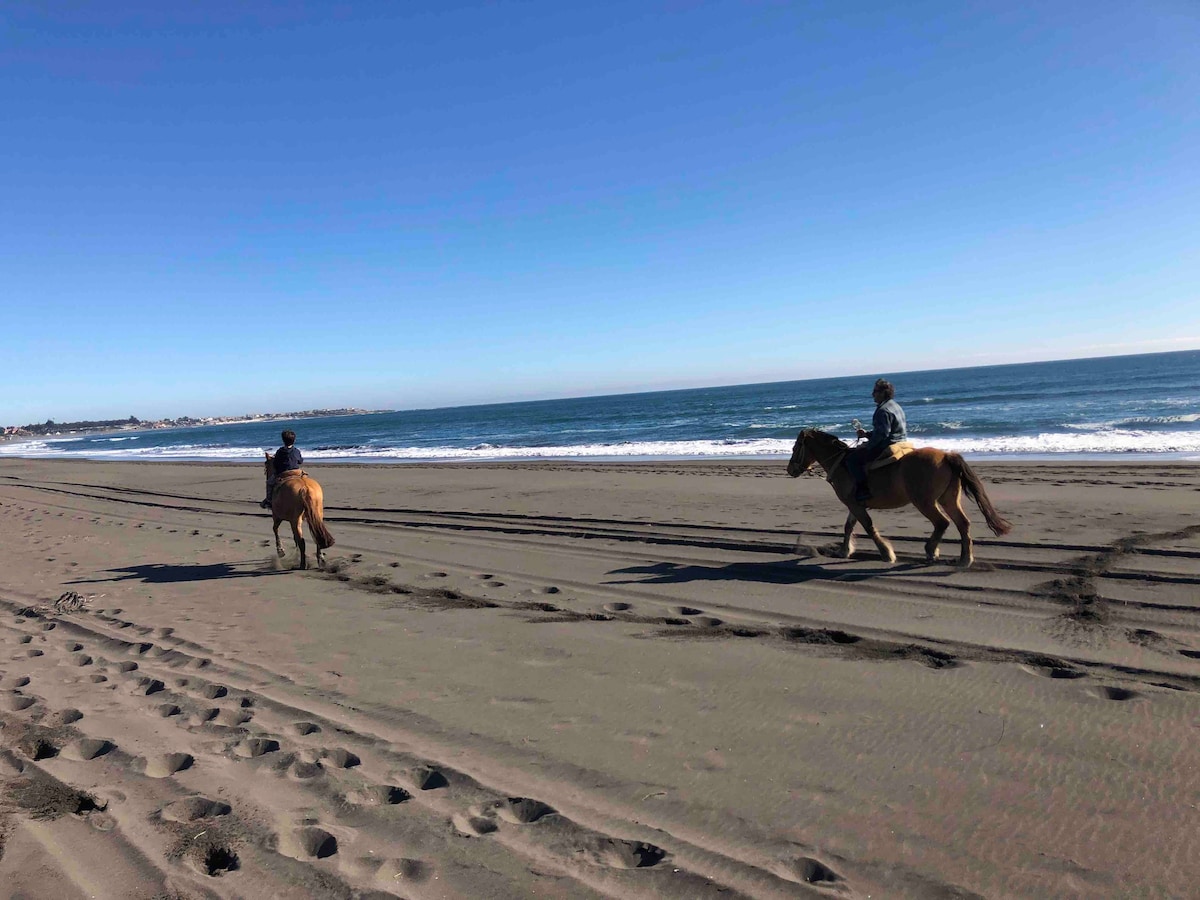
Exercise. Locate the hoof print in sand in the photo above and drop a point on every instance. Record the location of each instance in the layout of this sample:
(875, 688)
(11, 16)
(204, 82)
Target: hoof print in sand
(233, 717)
(189, 809)
(390, 872)
(166, 764)
(427, 778)
(378, 795)
(305, 728)
(1110, 692)
(78, 659)
(620, 854)
(309, 843)
(214, 691)
(18, 702)
(38, 749)
(255, 747)
(343, 759)
(474, 824)
(86, 749)
(62, 717)
(213, 860)
(147, 686)
(522, 810)
(304, 770)
(811, 871)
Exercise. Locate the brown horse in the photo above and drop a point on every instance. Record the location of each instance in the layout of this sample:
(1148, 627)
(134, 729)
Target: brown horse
(926, 478)
(296, 496)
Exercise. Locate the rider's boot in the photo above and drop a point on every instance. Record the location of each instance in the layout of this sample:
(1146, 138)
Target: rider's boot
(862, 493)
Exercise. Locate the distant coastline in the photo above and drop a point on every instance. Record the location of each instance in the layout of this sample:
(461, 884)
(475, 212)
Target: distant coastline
(50, 428)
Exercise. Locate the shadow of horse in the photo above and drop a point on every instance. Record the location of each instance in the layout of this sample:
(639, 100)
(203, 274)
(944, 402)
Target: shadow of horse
(783, 572)
(162, 573)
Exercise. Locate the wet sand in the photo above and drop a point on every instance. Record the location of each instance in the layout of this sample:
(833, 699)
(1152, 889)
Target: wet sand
(595, 680)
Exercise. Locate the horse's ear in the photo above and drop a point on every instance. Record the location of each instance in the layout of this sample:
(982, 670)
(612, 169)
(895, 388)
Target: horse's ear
(267, 454)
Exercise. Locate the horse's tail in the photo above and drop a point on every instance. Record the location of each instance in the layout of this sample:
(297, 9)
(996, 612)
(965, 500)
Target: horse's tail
(974, 488)
(314, 509)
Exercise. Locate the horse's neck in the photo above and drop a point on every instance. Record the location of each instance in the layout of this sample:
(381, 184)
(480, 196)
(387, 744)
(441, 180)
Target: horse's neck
(828, 451)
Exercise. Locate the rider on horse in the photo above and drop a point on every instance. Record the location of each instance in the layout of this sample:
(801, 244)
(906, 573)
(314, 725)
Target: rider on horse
(888, 426)
(287, 458)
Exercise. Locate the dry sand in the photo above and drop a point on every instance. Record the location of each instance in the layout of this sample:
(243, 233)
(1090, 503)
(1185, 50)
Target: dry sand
(580, 680)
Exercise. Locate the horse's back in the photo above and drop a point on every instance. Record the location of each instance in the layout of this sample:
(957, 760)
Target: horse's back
(924, 469)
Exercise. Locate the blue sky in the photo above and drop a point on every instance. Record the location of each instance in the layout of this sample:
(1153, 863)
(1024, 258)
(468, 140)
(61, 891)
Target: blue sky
(213, 208)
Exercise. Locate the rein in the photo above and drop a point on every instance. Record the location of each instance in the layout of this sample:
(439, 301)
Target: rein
(831, 463)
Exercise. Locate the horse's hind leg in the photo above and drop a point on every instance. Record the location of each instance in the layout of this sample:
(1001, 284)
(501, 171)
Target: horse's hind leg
(929, 509)
(846, 550)
(951, 501)
(298, 535)
(278, 546)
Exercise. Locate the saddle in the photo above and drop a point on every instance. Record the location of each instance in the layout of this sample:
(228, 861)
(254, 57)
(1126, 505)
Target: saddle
(892, 453)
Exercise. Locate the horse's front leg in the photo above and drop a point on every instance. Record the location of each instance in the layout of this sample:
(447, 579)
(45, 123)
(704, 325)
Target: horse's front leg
(886, 553)
(847, 549)
(278, 546)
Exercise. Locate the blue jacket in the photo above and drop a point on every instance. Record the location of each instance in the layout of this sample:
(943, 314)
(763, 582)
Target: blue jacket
(286, 459)
(888, 425)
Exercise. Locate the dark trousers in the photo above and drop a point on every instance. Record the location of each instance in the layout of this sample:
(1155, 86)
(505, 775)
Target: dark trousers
(859, 458)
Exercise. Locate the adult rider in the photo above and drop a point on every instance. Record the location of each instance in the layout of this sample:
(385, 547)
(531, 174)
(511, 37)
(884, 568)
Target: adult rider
(888, 426)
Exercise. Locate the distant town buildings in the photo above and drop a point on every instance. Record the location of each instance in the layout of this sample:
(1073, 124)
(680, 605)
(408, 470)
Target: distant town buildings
(50, 427)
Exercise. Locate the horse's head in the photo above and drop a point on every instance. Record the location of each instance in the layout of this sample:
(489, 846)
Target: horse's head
(801, 460)
(267, 463)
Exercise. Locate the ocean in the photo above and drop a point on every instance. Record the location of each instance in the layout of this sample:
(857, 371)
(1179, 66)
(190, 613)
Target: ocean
(1145, 406)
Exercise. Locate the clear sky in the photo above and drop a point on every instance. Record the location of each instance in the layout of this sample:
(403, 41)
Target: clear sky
(214, 207)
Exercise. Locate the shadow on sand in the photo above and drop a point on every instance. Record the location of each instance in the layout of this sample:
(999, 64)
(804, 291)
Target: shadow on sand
(784, 572)
(159, 573)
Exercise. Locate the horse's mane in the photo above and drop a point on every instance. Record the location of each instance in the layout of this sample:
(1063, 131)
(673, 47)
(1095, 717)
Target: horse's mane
(826, 438)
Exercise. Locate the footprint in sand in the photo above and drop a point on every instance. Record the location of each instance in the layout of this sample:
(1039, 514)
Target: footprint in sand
(305, 727)
(617, 607)
(686, 611)
(426, 778)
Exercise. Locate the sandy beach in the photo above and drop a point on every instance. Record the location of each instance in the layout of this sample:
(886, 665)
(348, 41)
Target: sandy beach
(581, 680)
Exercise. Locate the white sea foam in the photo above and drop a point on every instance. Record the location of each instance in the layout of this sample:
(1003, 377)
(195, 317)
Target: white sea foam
(1112, 441)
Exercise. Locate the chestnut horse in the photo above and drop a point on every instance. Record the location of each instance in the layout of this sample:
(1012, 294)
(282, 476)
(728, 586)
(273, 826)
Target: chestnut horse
(926, 478)
(296, 496)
